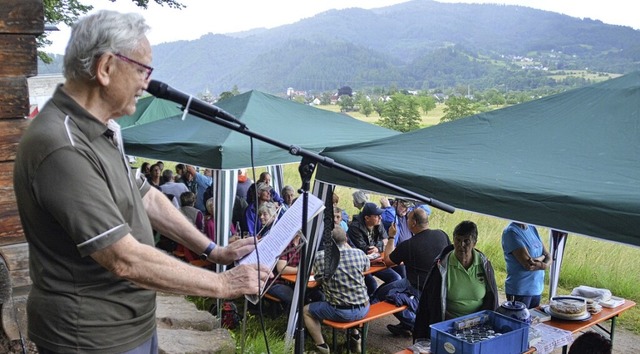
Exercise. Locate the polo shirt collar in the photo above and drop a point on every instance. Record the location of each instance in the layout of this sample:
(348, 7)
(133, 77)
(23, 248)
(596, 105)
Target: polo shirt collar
(85, 121)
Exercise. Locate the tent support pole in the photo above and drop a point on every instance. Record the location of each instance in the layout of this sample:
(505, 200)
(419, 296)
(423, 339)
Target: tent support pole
(305, 169)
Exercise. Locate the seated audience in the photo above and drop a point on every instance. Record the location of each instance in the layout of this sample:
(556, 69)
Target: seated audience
(288, 196)
(360, 198)
(145, 169)
(251, 219)
(244, 182)
(210, 223)
(188, 200)
(337, 219)
(417, 254)
(288, 264)
(155, 179)
(367, 234)
(336, 200)
(461, 281)
(170, 187)
(265, 177)
(268, 215)
(345, 292)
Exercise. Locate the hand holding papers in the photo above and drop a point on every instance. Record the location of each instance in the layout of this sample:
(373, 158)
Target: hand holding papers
(282, 232)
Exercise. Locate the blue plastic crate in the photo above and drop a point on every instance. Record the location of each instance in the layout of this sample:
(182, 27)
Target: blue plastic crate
(514, 338)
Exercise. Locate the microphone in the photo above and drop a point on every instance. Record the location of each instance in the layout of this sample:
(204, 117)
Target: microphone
(189, 102)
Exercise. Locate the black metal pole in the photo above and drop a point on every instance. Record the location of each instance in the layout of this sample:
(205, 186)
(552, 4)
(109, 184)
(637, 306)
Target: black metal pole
(305, 169)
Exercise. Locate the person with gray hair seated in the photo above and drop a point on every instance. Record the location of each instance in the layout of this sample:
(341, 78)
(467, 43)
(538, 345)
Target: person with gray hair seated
(172, 188)
(267, 216)
(461, 281)
(288, 195)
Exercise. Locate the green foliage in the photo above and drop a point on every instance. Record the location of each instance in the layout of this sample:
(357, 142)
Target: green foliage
(457, 107)
(347, 103)
(400, 113)
(227, 94)
(426, 103)
(363, 103)
(325, 98)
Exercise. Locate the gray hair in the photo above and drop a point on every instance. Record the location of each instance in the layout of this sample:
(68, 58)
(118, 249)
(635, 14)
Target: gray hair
(103, 32)
(268, 207)
(167, 176)
(287, 189)
(360, 198)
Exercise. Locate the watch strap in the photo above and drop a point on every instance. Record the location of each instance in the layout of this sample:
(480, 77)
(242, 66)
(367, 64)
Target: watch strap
(207, 252)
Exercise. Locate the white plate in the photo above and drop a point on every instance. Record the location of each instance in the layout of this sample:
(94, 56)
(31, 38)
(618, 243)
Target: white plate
(584, 317)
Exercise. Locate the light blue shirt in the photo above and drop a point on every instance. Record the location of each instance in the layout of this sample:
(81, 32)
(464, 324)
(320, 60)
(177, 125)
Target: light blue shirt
(521, 281)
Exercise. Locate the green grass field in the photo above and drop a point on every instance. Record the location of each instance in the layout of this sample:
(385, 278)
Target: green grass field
(432, 118)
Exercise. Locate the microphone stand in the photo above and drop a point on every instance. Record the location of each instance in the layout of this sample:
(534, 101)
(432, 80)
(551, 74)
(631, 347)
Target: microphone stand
(306, 168)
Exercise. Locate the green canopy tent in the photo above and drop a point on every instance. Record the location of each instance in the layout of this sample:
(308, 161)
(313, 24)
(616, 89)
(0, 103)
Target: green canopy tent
(149, 109)
(200, 142)
(570, 162)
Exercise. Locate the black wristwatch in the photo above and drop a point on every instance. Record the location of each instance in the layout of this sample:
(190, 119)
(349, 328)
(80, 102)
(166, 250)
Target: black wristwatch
(205, 254)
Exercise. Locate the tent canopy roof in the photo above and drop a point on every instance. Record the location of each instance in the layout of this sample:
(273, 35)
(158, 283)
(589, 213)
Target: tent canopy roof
(200, 142)
(569, 161)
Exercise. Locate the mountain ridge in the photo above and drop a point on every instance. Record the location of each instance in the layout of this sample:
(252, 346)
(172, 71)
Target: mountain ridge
(420, 44)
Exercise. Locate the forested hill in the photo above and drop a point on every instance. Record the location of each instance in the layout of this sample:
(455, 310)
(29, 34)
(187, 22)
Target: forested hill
(420, 44)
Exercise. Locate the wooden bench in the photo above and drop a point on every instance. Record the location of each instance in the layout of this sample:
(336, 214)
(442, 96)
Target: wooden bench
(377, 310)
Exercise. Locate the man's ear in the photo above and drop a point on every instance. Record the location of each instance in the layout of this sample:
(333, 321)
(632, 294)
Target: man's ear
(104, 68)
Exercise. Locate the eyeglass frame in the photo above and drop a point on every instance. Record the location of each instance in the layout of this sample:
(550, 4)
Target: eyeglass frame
(125, 58)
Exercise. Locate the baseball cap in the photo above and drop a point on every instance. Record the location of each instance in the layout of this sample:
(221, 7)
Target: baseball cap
(371, 209)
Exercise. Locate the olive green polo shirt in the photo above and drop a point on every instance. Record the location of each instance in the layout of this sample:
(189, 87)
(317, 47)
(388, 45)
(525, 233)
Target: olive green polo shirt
(75, 196)
(466, 288)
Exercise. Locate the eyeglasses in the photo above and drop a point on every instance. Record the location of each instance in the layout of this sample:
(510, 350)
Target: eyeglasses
(147, 69)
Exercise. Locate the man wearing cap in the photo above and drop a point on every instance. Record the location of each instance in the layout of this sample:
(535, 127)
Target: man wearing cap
(396, 212)
(417, 254)
(366, 233)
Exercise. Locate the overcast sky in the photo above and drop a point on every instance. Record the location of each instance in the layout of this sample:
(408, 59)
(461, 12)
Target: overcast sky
(205, 16)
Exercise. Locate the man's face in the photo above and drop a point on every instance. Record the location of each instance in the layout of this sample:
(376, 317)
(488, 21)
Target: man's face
(372, 220)
(155, 170)
(411, 223)
(129, 81)
(401, 209)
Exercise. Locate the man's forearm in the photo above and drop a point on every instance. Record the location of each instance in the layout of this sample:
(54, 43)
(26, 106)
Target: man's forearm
(152, 269)
(171, 223)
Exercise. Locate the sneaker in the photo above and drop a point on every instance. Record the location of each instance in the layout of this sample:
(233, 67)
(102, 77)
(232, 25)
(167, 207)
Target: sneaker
(355, 343)
(399, 330)
(322, 348)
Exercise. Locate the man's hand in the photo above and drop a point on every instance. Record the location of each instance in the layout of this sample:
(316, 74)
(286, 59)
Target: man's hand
(233, 251)
(384, 202)
(372, 249)
(393, 230)
(243, 280)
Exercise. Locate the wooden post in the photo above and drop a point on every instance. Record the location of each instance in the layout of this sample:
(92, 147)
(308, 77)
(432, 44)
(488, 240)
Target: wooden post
(21, 21)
